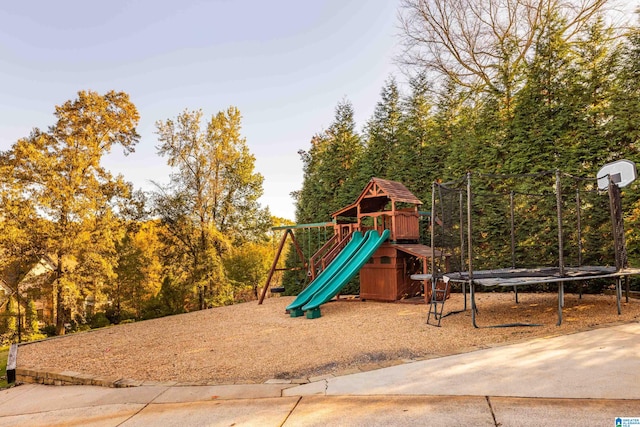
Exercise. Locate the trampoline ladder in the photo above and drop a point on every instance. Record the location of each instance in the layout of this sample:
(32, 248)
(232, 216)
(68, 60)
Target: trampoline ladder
(438, 298)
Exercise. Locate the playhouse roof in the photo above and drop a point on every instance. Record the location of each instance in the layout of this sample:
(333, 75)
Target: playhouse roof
(376, 195)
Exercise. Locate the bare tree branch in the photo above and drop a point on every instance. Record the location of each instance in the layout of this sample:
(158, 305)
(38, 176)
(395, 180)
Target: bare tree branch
(484, 44)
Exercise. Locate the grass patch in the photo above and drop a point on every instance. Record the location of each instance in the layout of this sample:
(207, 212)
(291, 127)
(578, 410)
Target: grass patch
(4, 354)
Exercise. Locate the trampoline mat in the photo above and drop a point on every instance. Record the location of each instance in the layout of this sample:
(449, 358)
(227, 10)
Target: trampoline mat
(529, 276)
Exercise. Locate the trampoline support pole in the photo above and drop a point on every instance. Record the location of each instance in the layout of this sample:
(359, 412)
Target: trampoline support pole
(560, 302)
(462, 255)
(473, 303)
(626, 289)
(470, 252)
(464, 294)
(560, 233)
(619, 293)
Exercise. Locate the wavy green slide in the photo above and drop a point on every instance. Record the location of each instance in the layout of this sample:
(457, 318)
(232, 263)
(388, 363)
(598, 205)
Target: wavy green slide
(371, 243)
(327, 274)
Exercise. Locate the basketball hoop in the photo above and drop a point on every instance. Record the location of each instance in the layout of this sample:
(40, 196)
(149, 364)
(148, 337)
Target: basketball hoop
(621, 173)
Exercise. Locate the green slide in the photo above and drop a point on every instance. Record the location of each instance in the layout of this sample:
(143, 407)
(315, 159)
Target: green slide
(343, 258)
(371, 243)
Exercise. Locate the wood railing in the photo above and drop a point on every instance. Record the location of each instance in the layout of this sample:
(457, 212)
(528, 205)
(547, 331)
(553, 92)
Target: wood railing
(327, 253)
(315, 262)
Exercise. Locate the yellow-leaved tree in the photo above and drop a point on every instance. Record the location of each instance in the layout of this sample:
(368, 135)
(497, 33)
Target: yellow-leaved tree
(20, 248)
(210, 204)
(73, 197)
(139, 271)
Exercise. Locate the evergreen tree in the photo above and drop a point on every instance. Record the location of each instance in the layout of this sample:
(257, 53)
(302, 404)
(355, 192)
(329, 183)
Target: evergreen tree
(383, 135)
(419, 156)
(328, 183)
(309, 203)
(542, 115)
(455, 120)
(623, 132)
(345, 149)
(595, 68)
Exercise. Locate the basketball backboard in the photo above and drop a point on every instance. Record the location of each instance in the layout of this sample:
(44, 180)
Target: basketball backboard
(621, 172)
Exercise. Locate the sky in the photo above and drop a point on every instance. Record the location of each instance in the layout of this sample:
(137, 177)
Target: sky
(285, 64)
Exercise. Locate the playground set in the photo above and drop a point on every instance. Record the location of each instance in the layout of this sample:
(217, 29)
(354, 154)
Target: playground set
(378, 236)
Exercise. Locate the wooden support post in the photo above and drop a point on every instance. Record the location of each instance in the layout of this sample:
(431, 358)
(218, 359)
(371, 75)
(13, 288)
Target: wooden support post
(620, 246)
(615, 205)
(394, 235)
(273, 266)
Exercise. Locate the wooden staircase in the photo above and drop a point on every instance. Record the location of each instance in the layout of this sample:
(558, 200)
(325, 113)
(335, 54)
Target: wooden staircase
(327, 253)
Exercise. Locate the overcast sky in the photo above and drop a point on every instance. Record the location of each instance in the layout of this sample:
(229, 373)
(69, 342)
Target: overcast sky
(284, 63)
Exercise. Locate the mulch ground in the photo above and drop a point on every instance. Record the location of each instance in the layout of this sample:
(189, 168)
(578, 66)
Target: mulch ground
(251, 343)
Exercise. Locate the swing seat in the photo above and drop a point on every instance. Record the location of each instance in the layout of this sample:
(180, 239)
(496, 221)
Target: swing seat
(277, 290)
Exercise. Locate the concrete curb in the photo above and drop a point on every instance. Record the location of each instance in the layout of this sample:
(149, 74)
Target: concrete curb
(62, 378)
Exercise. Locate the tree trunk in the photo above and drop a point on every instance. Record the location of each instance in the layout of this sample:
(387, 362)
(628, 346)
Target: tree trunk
(60, 311)
(60, 308)
(19, 314)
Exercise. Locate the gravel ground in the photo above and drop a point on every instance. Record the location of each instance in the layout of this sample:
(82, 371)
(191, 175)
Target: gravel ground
(251, 343)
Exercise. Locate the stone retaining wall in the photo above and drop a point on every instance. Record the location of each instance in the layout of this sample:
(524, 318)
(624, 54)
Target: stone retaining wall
(32, 376)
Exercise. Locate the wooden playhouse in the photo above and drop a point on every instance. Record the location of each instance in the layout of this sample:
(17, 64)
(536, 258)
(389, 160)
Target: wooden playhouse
(385, 204)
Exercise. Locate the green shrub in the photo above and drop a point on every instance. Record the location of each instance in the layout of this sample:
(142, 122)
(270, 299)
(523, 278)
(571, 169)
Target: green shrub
(49, 330)
(99, 320)
(116, 316)
(32, 317)
(82, 327)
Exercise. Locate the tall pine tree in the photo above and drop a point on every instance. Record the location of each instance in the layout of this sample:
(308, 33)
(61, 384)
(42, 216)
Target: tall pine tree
(419, 156)
(328, 183)
(383, 135)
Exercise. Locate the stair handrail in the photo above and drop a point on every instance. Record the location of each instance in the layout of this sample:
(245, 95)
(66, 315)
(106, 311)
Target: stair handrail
(315, 258)
(333, 253)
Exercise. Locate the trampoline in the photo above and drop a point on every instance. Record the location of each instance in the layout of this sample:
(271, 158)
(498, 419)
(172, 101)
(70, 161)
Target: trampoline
(514, 277)
(449, 216)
